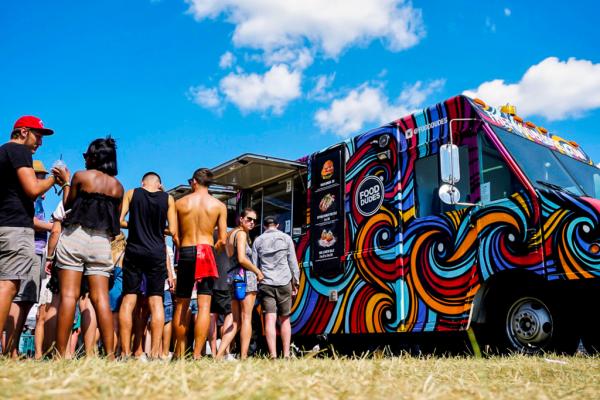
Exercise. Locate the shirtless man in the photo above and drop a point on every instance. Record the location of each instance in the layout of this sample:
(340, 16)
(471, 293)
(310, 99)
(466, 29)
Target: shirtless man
(198, 214)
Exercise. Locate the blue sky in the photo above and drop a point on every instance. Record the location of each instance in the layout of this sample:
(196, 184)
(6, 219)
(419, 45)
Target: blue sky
(183, 84)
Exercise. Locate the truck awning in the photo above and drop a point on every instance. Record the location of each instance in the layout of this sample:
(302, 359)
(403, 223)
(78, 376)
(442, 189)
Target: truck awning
(251, 170)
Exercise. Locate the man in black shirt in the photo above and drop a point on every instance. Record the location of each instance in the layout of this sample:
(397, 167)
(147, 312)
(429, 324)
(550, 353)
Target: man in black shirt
(19, 187)
(144, 265)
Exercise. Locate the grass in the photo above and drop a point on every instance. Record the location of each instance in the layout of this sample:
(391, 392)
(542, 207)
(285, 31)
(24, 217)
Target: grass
(374, 377)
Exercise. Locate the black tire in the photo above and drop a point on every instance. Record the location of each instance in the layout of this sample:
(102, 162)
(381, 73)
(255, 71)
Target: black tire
(529, 322)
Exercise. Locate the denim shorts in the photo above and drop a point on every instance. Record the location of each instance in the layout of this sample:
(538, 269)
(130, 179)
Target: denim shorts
(168, 304)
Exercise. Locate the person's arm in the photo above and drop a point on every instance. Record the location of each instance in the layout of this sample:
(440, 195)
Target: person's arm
(293, 263)
(125, 207)
(73, 191)
(32, 186)
(172, 228)
(240, 242)
(52, 242)
(41, 225)
(221, 228)
(170, 276)
(255, 259)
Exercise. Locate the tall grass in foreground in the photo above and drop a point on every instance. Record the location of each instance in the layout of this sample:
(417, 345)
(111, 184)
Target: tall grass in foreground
(548, 377)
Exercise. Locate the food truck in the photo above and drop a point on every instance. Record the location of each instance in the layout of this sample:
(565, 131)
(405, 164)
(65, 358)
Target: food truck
(459, 215)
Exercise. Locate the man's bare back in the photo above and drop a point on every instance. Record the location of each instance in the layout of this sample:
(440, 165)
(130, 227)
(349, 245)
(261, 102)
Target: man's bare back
(198, 214)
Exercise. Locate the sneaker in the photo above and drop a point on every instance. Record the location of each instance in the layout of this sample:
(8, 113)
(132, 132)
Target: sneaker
(229, 357)
(142, 358)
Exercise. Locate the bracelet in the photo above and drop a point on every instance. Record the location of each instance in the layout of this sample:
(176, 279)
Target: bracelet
(65, 185)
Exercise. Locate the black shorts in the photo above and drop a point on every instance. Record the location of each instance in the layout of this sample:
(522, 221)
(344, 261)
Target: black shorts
(221, 302)
(144, 275)
(186, 271)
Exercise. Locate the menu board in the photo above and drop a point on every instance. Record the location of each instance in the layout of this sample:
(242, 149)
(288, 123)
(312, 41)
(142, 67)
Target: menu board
(327, 212)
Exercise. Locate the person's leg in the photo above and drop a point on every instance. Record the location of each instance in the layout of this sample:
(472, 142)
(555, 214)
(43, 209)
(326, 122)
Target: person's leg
(202, 324)
(157, 311)
(50, 323)
(212, 334)
(227, 325)
(8, 291)
(286, 335)
(128, 304)
(229, 331)
(70, 284)
(246, 324)
(166, 339)
(139, 326)
(115, 317)
(39, 331)
(14, 326)
(180, 323)
(271, 333)
(99, 297)
(89, 326)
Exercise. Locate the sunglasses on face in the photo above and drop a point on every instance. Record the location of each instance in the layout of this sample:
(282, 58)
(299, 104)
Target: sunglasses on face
(250, 219)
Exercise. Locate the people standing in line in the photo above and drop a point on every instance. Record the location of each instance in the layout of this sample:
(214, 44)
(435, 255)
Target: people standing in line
(149, 209)
(275, 254)
(94, 201)
(220, 306)
(19, 187)
(198, 214)
(241, 268)
(30, 288)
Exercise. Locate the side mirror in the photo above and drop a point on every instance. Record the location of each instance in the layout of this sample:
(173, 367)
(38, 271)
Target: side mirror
(449, 194)
(449, 164)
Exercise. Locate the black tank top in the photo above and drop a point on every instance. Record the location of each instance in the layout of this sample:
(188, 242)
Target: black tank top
(95, 211)
(147, 223)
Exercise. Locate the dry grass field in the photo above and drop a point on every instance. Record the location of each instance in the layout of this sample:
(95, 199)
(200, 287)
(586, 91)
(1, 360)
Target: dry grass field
(405, 377)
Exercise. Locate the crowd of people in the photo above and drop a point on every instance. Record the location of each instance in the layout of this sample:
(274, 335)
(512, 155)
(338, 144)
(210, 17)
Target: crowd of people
(134, 296)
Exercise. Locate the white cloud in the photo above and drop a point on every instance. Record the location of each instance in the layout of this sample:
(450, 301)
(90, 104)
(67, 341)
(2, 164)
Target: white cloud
(507, 12)
(227, 60)
(553, 89)
(254, 92)
(320, 91)
(205, 97)
(299, 58)
(326, 26)
(369, 104)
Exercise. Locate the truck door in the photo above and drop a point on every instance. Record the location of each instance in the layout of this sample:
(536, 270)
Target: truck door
(508, 224)
(440, 242)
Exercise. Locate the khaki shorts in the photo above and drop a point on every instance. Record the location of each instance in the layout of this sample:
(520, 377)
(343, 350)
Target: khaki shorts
(276, 299)
(84, 250)
(29, 290)
(17, 253)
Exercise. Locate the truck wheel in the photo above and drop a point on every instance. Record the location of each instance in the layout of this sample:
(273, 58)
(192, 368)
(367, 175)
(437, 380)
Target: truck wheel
(528, 323)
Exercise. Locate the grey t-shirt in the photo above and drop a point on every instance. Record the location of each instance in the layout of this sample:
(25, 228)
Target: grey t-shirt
(275, 254)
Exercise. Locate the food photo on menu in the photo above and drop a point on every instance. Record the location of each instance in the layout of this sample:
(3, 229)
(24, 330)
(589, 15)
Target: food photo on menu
(328, 170)
(327, 238)
(327, 202)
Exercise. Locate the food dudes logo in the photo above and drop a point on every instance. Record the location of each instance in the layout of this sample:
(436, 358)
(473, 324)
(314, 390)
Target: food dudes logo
(369, 196)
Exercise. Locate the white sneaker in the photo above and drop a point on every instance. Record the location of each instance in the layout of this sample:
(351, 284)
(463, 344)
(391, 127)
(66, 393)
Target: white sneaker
(142, 358)
(229, 357)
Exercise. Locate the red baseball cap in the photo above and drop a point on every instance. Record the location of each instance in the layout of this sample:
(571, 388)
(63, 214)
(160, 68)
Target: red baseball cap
(29, 121)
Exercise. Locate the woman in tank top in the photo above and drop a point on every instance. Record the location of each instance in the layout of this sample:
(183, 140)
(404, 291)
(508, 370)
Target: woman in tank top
(94, 204)
(240, 253)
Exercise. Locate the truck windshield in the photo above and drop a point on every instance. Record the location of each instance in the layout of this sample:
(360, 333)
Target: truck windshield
(548, 168)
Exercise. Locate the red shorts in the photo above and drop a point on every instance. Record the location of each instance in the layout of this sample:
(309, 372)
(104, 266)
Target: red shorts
(206, 266)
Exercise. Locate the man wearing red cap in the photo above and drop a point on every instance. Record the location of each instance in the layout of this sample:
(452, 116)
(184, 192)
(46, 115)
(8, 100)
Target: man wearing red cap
(19, 187)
